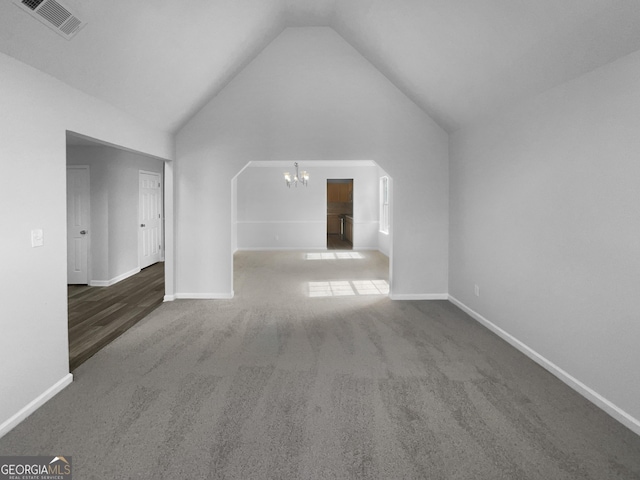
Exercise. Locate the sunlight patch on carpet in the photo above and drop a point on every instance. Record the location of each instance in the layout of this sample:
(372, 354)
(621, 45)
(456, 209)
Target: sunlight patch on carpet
(332, 255)
(341, 288)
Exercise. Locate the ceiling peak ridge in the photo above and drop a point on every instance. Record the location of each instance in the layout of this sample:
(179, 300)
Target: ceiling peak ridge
(309, 13)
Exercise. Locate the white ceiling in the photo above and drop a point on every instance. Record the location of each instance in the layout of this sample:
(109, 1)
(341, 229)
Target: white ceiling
(459, 60)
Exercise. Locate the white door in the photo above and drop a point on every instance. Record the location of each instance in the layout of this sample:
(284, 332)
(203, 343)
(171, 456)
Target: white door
(78, 224)
(150, 236)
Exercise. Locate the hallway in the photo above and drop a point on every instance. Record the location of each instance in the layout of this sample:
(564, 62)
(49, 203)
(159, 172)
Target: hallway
(99, 315)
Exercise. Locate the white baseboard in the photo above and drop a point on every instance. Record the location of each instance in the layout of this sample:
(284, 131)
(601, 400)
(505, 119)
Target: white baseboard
(419, 296)
(203, 296)
(40, 400)
(169, 298)
(280, 249)
(113, 281)
(307, 249)
(616, 412)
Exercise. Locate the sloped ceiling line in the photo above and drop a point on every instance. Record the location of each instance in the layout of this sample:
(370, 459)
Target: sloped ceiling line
(458, 61)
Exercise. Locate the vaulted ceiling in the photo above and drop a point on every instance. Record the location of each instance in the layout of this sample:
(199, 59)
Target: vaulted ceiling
(458, 60)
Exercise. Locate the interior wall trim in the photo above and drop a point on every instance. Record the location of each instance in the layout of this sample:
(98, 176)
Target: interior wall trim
(35, 404)
(283, 249)
(277, 222)
(594, 397)
(442, 296)
(114, 280)
(204, 296)
(419, 296)
(169, 298)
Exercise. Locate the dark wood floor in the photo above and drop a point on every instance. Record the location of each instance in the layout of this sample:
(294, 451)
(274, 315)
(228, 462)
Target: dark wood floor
(335, 242)
(99, 315)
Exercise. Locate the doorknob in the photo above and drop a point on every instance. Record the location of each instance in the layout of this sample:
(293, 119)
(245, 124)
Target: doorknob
(142, 225)
(83, 232)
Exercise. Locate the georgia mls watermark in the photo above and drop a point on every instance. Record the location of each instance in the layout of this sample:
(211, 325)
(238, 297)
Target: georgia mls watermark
(35, 468)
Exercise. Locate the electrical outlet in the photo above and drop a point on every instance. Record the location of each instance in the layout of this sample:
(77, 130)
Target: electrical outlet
(477, 290)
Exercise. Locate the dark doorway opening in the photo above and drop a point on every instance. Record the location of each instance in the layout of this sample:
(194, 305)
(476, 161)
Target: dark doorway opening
(340, 232)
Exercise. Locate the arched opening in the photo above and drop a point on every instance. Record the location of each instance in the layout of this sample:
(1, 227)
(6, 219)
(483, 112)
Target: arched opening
(289, 225)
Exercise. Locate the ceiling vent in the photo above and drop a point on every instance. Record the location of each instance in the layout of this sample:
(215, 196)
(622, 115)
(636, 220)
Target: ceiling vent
(54, 15)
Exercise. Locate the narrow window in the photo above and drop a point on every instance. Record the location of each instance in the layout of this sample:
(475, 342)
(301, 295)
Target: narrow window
(384, 204)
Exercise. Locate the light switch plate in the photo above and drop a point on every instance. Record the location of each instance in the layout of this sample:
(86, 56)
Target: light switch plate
(37, 237)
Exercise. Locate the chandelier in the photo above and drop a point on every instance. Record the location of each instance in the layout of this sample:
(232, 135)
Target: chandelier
(302, 177)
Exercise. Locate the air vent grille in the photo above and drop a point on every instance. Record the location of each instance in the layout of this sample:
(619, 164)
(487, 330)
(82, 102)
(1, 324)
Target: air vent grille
(54, 15)
(32, 4)
(71, 25)
(54, 12)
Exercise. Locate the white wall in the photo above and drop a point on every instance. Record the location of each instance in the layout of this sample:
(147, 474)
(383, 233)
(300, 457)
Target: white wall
(36, 110)
(272, 216)
(310, 96)
(545, 218)
(114, 191)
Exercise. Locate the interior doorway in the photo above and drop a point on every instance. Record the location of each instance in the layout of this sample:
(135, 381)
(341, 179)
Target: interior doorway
(340, 231)
(125, 276)
(266, 215)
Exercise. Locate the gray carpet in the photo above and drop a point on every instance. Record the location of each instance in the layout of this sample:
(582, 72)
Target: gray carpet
(278, 384)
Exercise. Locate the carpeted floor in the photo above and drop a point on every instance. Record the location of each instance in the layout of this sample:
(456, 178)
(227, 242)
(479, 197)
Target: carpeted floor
(311, 372)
